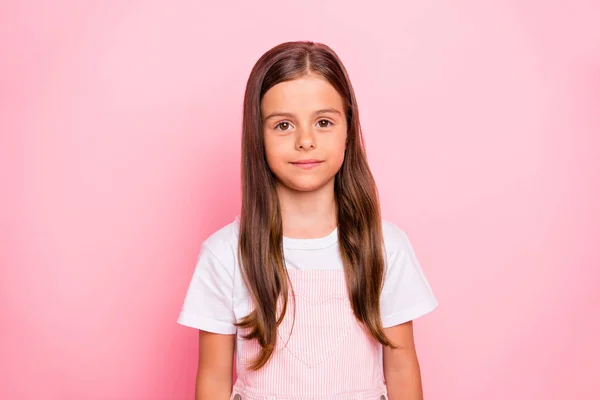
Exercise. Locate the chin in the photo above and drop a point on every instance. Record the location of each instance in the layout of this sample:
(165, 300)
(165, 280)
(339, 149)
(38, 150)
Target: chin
(305, 185)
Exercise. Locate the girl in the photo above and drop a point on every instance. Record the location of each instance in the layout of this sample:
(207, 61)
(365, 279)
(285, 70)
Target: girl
(308, 289)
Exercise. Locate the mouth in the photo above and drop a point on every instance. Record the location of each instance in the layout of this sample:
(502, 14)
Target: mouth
(307, 164)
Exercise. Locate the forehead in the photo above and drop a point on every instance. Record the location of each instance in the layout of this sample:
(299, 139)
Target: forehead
(305, 94)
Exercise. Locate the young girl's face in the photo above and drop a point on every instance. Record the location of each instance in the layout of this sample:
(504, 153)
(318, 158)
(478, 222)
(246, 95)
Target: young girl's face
(304, 121)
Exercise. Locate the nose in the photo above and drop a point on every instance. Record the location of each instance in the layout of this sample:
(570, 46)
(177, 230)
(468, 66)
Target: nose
(306, 139)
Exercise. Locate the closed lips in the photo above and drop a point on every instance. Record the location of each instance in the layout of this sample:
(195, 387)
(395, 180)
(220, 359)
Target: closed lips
(306, 162)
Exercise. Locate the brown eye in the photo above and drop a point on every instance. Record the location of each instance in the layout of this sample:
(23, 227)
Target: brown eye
(283, 126)
(324, 123)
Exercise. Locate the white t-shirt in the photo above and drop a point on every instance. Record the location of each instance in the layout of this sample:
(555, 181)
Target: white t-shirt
(217, 296)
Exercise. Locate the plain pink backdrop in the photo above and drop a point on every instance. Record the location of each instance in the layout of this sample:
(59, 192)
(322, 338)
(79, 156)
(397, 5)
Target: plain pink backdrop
(119, 152)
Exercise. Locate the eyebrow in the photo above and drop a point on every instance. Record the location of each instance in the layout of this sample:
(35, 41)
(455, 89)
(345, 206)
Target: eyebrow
(291, 115)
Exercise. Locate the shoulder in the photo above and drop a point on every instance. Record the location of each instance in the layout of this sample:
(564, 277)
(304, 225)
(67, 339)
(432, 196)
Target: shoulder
(406, 293)
(222, 244)
(224, 236)
(394, 238)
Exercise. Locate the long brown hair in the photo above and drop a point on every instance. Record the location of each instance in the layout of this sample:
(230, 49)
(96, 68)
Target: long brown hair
(357, 206)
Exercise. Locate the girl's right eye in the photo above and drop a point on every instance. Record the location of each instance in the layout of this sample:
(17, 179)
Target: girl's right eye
(283, 126)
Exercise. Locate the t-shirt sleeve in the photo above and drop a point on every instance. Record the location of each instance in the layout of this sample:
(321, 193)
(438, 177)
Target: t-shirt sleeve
(406, 293)
(208, 304)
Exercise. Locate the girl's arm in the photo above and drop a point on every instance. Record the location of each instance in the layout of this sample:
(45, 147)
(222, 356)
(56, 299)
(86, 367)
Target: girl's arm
(401, 366)
(214, 380)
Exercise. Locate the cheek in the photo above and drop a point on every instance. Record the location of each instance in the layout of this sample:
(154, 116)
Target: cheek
(275, 151)
(337, 147)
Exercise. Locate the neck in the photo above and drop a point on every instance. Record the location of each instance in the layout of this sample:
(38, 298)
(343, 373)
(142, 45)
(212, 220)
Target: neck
(307, 214)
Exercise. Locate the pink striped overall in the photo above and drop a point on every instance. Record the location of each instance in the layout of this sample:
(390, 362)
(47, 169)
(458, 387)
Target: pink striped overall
(327, 356)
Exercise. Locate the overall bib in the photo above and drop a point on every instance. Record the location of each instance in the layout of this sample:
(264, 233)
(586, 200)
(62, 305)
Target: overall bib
(327, 356)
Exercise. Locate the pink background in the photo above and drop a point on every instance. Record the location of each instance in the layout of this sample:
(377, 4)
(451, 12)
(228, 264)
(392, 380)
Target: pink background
(120, 128)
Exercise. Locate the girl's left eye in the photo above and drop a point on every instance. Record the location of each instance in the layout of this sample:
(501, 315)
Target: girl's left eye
(326, 125)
